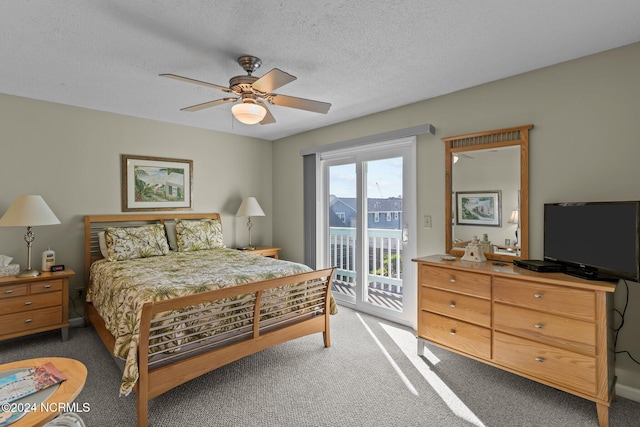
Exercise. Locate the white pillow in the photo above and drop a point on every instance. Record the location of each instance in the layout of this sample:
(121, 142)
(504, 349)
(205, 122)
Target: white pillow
(103, 245)
(172, 235)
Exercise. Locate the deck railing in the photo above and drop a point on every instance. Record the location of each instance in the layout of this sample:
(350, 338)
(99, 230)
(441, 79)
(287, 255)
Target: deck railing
(385, 257)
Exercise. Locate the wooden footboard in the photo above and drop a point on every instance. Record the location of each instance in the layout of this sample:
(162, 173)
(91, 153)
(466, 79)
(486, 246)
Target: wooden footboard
(279, 310)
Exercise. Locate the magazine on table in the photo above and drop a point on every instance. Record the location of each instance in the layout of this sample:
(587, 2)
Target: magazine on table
(24, 382)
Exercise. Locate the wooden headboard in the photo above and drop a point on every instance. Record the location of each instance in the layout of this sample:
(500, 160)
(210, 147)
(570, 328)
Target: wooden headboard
(94, 224)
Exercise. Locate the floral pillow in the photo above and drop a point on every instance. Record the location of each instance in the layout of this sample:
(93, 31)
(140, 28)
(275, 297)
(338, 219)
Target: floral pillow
(135, 242)
(199, 235)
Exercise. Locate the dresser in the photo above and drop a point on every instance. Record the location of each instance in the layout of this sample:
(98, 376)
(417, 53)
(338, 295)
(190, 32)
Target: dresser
(549, 327)
(34, 304)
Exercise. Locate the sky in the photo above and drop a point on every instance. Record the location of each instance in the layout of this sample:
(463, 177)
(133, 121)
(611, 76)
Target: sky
(384, 179)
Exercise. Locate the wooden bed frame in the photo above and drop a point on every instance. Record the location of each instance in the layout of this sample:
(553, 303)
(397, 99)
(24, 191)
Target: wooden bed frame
(185, 363)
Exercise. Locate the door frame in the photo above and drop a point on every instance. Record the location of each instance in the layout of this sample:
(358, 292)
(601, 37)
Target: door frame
(402, 147)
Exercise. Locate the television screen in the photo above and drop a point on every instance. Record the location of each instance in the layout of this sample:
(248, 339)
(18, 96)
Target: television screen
(594, 240)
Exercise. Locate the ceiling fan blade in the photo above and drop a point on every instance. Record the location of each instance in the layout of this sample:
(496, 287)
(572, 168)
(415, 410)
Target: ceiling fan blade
(208, 104)
(198, 82)
(273, 80)
(300, 103)
(268, 118)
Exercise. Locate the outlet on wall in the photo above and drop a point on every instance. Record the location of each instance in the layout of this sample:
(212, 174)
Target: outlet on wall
(427, 221)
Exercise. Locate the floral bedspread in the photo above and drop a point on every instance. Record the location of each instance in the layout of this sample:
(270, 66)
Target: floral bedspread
(118, 290)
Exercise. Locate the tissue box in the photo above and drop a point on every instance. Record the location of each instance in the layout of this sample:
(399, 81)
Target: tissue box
(9, 270)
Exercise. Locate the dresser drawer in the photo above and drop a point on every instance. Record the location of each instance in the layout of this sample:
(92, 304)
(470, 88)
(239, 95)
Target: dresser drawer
(562, 367)
(31, 302)
(462, 336)
(48, 286)
(463, 282)
(24, 321)
(556, 299)
(548, 328)
(463, 307)
(13, 291)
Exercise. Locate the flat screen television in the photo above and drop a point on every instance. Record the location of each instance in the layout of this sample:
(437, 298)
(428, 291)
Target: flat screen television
(594, 240)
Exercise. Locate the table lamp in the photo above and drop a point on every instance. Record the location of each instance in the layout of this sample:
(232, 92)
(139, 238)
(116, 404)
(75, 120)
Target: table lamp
(515, 219)
(250, 207)
(28, 211)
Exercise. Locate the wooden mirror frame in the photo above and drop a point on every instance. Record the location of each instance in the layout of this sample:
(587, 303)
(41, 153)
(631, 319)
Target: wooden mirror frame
(516, 136)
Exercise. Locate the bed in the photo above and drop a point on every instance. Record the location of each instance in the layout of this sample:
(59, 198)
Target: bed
(168, 298)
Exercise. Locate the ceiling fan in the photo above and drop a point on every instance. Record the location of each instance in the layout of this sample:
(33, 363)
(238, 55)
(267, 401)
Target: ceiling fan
(254, 93)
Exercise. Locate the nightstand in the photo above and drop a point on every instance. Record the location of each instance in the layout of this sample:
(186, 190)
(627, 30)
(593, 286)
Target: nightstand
(267, 251)
(34, 304)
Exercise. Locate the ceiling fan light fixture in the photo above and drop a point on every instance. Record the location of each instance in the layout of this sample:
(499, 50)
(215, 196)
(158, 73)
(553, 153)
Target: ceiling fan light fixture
(249, 113)
(252, 92)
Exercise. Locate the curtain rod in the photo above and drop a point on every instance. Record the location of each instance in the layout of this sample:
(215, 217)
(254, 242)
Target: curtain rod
(369, 139)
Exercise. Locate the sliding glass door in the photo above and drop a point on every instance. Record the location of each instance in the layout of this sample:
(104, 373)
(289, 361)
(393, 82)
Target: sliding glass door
(368, 214)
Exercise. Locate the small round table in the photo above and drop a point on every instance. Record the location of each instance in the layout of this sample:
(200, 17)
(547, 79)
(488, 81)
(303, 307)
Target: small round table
(66, 392)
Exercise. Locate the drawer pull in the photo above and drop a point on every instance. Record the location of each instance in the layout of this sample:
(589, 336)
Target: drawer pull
(540, 359)
(537, 295)
(452, 304)
(28, 303)
(8, 291)
(46, 286)
(539, 326)
(28, 321)
(452, 279)
(452, 332)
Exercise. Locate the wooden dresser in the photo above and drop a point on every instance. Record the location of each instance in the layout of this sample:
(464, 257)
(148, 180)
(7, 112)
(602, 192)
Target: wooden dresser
(549, 327)
(34, 304)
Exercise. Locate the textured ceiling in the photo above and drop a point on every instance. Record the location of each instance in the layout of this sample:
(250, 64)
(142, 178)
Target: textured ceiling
(362, 56)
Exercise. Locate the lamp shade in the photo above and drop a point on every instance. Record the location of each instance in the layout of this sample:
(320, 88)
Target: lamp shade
(28, 210)
(250, 207)
(515, 217)
(249, 113)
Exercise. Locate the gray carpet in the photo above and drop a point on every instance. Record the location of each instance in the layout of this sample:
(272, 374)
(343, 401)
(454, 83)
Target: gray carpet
(364, 379)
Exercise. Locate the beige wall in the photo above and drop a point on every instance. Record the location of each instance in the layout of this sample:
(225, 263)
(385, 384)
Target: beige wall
(585, 146)
(71, 156)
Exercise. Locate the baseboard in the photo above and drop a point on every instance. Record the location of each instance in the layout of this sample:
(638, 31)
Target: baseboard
(76, 322)
(628, 392)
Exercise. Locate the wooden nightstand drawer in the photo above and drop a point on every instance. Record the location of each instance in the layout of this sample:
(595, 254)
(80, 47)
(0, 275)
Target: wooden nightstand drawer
(31, 302)
(562, 300)
(30, 320)
(34, 304)
(13, 291)
(457, 281)
(463, 307)
(48, 286)
(462, 336)
(564, 368)
(266, 251)
(548, 328)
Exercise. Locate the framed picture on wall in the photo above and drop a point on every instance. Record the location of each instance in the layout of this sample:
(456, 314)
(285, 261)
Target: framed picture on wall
(156, 183)
(479, 208)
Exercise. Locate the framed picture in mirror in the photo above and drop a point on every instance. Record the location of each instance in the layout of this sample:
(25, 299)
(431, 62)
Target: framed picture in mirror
(479, 208)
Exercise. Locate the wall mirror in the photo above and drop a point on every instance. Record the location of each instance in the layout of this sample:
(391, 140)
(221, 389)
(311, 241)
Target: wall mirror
(487, 191)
